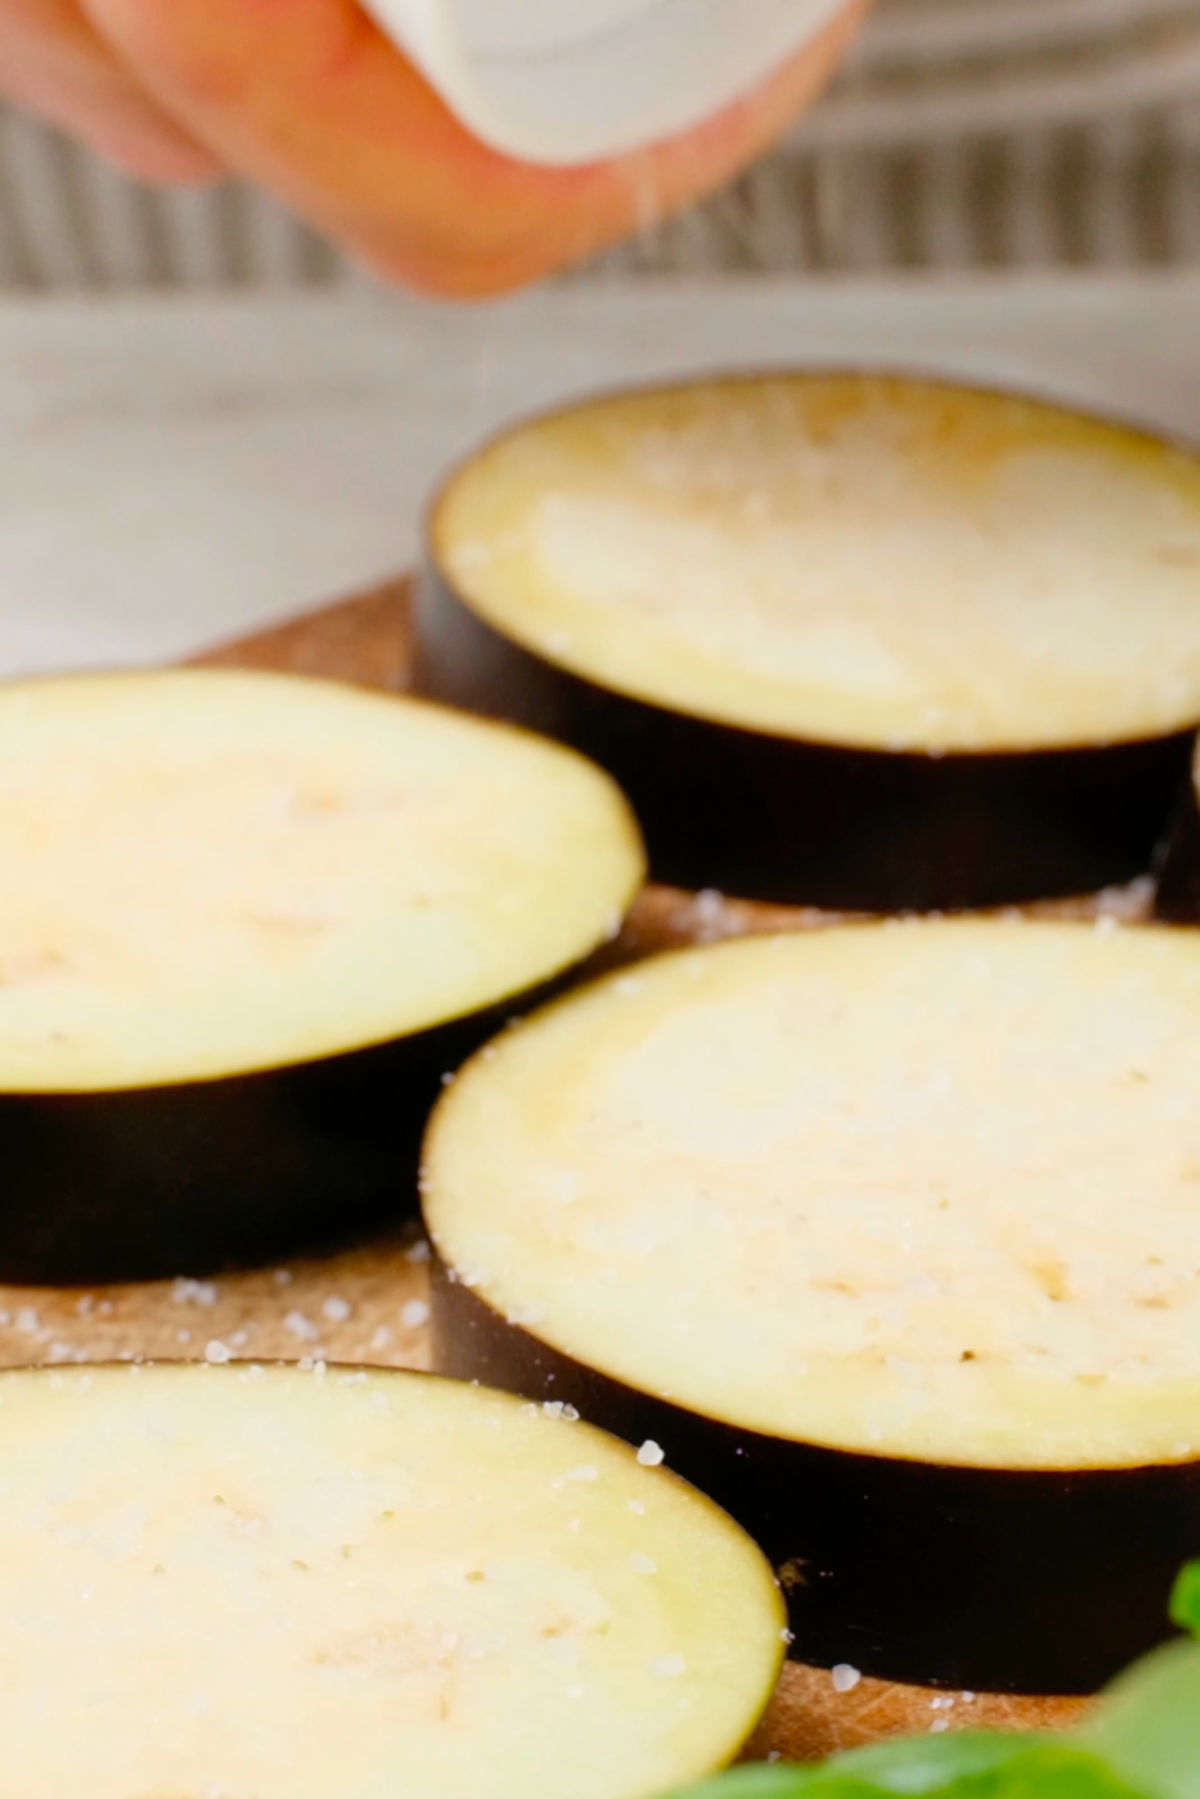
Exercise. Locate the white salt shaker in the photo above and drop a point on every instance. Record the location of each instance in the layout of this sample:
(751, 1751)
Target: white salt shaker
(574, 81)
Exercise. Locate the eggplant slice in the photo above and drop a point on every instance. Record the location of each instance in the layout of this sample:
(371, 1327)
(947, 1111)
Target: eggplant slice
(889, 1237)
(241, 1580)
(859, 642)
(247, 925)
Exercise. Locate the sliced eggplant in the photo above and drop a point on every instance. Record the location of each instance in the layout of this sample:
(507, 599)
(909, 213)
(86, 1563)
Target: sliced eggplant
(889, 1237)
(247, 925)
(859, 642)
(236, 1581)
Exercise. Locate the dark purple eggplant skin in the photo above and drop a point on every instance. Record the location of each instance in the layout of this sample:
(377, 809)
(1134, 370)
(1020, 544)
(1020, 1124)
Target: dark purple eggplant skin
(201, 1177)
(1178, 896)
(794, 823)
(968, 1579)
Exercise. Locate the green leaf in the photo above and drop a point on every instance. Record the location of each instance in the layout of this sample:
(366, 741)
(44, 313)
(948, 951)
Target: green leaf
(931, 1764)
(907, 1765)
(1148, 1728)
(1185, 1604)
(967, 1766)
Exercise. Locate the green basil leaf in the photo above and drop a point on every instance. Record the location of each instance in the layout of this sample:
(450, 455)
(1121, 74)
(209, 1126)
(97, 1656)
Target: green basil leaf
(1185, 1604)
(1148, 1727)
(967, 1766)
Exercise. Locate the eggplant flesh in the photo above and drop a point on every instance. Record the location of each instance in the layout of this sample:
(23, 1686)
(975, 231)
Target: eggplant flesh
(293, 1583)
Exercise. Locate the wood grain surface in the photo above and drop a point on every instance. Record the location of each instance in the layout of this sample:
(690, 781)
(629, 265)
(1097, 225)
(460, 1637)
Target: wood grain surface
(370, 1305)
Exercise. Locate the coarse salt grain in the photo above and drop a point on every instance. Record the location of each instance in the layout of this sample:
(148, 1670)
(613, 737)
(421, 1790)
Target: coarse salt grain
(845, 1678)
(194, 1293)
(415, 1315)
(651, 1455)
(218, 1352)
(337, 1309)
(417, 1252)
(301, 1327)
(637, 1508)
(558, 1408)
(939, 1726)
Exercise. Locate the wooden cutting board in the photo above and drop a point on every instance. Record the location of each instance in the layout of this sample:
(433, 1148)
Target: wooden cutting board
(370, 1305)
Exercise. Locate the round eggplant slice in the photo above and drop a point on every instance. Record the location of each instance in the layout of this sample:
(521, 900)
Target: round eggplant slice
(247, 925)
(859, 642)
(889, 1238)
(246, 1581)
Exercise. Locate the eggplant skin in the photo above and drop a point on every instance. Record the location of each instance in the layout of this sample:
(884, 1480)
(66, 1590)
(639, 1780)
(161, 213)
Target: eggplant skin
(794, 823)
(975, 1579)
(99, 1187)
(1178, 898)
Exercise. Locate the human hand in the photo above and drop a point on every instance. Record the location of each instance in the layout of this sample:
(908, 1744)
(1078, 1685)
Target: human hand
(310, 99)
